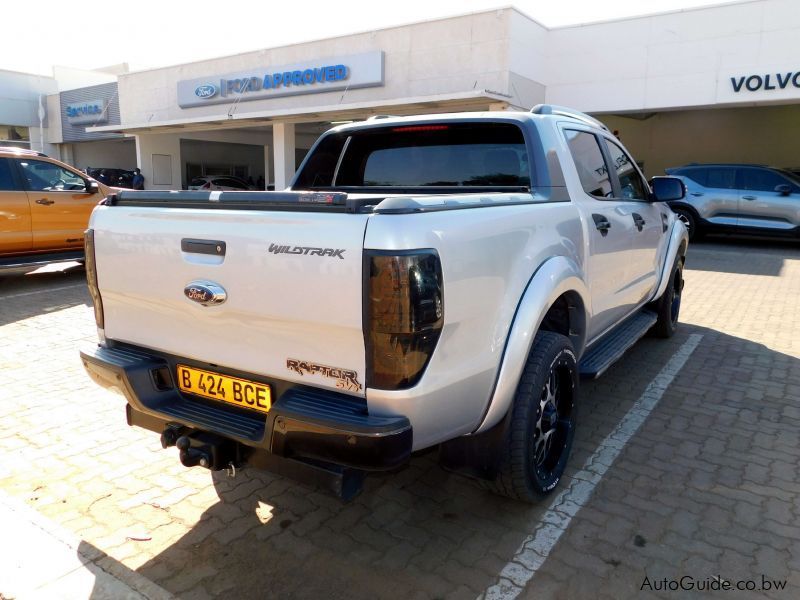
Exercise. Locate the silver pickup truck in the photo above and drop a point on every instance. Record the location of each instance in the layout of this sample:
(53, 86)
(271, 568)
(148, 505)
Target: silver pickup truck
(441, 280)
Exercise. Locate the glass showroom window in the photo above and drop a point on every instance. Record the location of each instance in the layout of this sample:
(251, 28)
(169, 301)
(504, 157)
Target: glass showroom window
(15, 135)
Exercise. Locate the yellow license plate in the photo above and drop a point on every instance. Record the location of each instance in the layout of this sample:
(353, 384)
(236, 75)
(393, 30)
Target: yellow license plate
(239, 392)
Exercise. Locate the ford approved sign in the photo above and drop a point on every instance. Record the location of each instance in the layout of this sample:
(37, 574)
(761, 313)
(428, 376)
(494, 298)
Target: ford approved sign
(343, 72)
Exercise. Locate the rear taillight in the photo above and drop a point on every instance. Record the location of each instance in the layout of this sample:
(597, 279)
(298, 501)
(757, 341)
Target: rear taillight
(404, 312)
(91, 277)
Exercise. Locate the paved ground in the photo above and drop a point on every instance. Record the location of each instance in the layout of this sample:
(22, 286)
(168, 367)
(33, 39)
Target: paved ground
(709, 485)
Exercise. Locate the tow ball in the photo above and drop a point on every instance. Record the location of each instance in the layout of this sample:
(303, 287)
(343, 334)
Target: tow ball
(201, 448)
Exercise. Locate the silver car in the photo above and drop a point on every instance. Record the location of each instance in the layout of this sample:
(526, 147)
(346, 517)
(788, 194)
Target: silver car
(738, 199)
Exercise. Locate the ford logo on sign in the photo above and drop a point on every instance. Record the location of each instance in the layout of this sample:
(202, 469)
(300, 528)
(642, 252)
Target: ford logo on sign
(206, 293)
(206, 90)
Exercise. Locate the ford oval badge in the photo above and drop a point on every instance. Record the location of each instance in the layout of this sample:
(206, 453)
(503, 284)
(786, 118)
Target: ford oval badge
(207, 90)
(206, 293)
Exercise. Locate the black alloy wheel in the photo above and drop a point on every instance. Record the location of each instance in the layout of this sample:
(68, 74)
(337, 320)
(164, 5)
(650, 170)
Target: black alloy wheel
(541, 421)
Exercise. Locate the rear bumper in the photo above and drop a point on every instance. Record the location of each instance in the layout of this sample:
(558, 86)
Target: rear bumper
(303, 422)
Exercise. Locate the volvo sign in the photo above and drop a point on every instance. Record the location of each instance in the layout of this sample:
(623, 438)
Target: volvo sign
(340, 73)
(768, 81)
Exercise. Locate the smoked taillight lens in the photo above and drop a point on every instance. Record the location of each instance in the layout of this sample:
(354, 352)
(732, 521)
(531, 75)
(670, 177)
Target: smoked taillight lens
(404, 312)
(91, 277)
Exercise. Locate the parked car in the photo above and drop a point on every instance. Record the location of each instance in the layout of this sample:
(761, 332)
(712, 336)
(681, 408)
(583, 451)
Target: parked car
(220, 183)
(44, 209)
(121, 178)
(434, 280)
(738, 198)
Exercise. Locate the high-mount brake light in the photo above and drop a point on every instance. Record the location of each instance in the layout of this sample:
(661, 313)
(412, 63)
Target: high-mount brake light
(404, 313)
(420, 128)
(91, 277)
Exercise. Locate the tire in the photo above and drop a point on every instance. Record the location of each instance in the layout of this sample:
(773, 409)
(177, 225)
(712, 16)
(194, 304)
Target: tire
(531, 465)
(688, 218)
(668, 306)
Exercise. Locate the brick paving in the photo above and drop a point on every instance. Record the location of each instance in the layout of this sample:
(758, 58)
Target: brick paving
(709, 486)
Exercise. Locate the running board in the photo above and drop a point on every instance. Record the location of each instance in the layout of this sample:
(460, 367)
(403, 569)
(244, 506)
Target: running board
(615, 343)
(33, 261)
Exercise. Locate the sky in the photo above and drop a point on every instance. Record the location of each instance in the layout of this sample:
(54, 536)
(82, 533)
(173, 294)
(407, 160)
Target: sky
(155, 33)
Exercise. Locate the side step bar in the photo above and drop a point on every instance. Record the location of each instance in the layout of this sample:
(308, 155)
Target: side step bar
(615, 343)
(33, 261)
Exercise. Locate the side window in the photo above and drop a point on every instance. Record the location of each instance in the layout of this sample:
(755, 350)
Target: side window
(633, 188)
(698, 175)
(721, 178)
(43, 176)
(761, 180)
(7, 175)
(589, 161)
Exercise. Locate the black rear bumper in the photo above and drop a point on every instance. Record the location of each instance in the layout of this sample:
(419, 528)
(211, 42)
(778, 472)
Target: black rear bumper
(303, 422)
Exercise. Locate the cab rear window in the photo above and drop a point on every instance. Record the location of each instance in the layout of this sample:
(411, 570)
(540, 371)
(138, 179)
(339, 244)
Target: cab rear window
(425, 155)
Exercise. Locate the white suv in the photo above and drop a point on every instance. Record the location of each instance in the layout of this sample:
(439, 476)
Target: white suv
(225, 183)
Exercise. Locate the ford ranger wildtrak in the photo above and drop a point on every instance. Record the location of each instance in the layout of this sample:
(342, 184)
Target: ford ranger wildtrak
(44, 209)
(434, 281)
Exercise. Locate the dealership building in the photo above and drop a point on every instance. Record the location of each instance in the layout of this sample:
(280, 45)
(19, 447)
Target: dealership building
(713, 84)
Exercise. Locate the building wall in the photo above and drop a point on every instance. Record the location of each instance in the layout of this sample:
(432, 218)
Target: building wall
(70, 78)
(679, 59)
(762, 135)
(19, 105)
(527, 60)
(19, 97)
(437, 57)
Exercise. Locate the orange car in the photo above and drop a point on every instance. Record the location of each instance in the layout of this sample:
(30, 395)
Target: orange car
(44, 209)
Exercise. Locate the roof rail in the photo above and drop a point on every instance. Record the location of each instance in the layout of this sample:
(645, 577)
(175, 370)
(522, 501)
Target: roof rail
(563, 111)
(18, 150)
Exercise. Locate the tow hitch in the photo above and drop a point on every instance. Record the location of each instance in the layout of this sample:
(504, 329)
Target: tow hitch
(201, 448)
(214, 452)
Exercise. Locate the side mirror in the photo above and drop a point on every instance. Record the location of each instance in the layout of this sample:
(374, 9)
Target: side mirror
(667, 188)
(92, 187)
(783, 189)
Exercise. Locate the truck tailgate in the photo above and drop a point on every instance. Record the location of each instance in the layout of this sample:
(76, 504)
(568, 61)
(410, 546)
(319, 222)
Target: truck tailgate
(293, 282)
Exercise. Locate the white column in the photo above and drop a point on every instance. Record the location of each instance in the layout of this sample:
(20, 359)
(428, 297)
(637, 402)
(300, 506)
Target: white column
(158, 155)
(266, 167)
(283, 142)
(67, 155)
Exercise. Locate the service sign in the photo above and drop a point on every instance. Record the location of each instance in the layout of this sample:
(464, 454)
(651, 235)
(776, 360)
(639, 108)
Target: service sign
(310, 77)
(87, 113)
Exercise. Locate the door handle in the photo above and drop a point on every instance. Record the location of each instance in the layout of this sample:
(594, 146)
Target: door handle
(602, 224)
(748, 197)
(45, 201)
(640, 222)
(697, 193)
